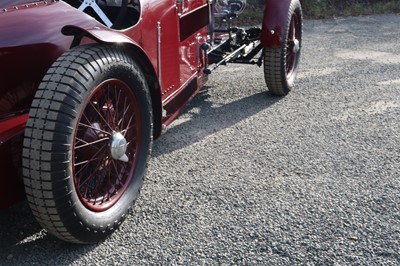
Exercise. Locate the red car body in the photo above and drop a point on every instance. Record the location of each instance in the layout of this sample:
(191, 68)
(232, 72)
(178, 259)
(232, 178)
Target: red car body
(166, 39)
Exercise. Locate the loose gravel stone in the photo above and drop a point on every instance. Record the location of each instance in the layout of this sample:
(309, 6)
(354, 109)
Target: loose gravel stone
(245, 178)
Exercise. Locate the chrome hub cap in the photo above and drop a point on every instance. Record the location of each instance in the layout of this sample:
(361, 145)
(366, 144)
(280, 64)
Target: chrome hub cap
(296, 46)
(118, 147)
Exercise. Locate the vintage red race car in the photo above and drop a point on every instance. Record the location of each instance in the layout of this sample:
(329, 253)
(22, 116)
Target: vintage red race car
(86, 85)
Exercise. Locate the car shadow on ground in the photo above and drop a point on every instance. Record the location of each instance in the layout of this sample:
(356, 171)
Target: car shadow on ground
(21, 235)
(203, 118)
(16, 223)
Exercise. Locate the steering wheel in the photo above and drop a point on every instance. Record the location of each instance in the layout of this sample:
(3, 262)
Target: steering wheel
(121, 4)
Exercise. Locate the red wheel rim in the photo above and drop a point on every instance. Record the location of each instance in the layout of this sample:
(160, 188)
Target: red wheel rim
(293, 45)
(109, 117)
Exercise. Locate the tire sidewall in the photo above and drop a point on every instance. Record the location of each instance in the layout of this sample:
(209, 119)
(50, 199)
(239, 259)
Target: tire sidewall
(84, 222)
(295, 7)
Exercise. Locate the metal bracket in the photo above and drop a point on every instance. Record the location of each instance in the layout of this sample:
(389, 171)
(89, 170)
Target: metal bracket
(97, 9)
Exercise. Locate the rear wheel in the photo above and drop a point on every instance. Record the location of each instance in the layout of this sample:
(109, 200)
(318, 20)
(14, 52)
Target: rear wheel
(281, 64)
(87, 143)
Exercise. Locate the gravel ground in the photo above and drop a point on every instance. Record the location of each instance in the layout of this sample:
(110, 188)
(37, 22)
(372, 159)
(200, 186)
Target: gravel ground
(242, 177)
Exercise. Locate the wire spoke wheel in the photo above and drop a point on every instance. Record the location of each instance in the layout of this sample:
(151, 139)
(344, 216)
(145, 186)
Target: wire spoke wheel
(281, 64)
(87, 143)
(104, 153)
(293, 45)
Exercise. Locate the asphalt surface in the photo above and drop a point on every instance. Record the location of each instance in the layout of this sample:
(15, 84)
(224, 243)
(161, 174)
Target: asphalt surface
(242, 177)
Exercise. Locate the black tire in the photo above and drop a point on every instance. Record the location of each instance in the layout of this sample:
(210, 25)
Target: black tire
(281, 64)
(79, 188)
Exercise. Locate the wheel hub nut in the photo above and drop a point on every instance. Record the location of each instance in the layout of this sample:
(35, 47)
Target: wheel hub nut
(118, 147)
(296, 46)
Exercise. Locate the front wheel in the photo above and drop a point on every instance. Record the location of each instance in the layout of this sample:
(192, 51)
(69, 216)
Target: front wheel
(281, 64)
(87, 143)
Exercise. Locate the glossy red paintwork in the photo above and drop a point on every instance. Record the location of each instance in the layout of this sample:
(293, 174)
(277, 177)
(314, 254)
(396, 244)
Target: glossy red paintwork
(179, 59)
(11, 127)
(165, 41)
(275, 16)
(32, 36)
(31, 40)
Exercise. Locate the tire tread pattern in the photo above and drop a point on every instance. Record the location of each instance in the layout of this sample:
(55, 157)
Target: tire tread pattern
(45, 154)
(275, 59)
